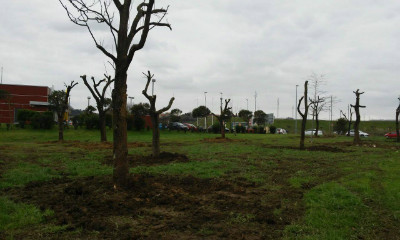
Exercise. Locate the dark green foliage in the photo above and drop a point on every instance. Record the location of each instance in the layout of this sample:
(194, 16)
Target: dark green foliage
(108, 120)
(174, 118)
(260, 117)
(216, 128)
(138, 111)
(92, 121)
(240, 129)
(4, 94)
(201, 111)
(272, 129)
(43, 120)
(23, 116)
(246, 115)
(76, 121)
(341, 126)
(261, 130)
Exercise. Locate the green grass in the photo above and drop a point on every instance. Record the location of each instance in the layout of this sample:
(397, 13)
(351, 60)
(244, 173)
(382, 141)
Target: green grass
(332, 213)
(198, 169)
(346, 195)
(24, 173)
(18, 215)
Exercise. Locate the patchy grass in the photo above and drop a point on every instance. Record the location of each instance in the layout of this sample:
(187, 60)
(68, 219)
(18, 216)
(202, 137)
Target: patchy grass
(254, 186)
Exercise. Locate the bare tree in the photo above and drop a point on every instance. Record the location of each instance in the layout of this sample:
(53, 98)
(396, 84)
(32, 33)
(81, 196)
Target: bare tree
(318, 103)
(397, 122)
(357, 107)
(132, 25)
(59, 103)
(303, 114)
(348, 119)
(103, 103)
(155, 115)
(225, 114)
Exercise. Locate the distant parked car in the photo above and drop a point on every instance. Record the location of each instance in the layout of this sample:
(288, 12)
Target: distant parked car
(361, 133)
(281, 131)
(191, 127)
(310, 132)
(177, 126)
(391, 135)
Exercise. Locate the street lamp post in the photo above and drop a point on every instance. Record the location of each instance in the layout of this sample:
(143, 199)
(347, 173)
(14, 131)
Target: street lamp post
(247, 100)
(131, 100)
(205, 104)
(88, 101)
(295, 122)
(152, 86)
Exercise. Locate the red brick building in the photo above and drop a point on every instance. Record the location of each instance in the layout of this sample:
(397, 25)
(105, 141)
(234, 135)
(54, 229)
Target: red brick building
(22, 97)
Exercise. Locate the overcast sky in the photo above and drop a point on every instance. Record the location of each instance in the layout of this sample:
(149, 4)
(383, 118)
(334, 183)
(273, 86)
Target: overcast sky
(229, 46)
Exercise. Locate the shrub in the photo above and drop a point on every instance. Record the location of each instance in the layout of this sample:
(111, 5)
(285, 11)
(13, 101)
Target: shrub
(261, 130)
(240, 129)
(43, 120)
(216, 128)
(92, 121)
(23, 116)
(272, 129)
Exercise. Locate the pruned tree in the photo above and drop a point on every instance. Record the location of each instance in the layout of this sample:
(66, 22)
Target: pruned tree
(225, 114)
(348, 119)
(318, 103)
(102, 102)
(59, 104)
(260, 117)
(357, 139)
(303, 114)
(397, 122)
(128, 36)
(155, 115)
(246, 115)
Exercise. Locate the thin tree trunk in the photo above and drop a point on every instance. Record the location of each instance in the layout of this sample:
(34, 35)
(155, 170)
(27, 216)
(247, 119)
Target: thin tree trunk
(120, 146)
(103, 133)
(60, 129)
(303, 129)
(316, 125)
(397, 126)
(156, 135)
(222, 129)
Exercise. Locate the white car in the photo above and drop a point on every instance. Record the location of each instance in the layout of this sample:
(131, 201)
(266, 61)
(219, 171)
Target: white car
(281, 131)
(310, 132)
(362, 134)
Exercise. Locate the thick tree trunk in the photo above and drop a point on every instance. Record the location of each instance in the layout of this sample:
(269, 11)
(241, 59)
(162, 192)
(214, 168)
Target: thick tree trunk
(397, 126)
(60, 129)
(103, 133)
(156, 135)
(222, 129)
(357, 139)
(316, 125)
(303, 129)
(120, 147)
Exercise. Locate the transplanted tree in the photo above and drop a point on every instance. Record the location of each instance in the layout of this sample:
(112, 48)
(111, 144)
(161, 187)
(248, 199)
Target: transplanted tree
(303, 115)
(134, 24)
(246, 115)
(59, 104)
(260, 117)
(397, 122)
(103, 103)
(357, 139)
(225, 115)
(348, 119)
(317, 103)
(155, 115)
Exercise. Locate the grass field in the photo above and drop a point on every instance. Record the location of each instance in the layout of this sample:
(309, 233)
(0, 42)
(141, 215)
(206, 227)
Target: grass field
(251, 186)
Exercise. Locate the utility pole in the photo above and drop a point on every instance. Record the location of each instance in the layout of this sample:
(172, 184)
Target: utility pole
(197, 119)
(247, 100)
(205, 104)
(331, 112)
(277, 110)
(255, 101)
(295, 105)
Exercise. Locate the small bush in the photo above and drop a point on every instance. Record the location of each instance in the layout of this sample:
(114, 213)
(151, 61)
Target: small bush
(23, 116)
(92, 121)
(240, 129)
(216, 128)
(43, 120)
(272, 129)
